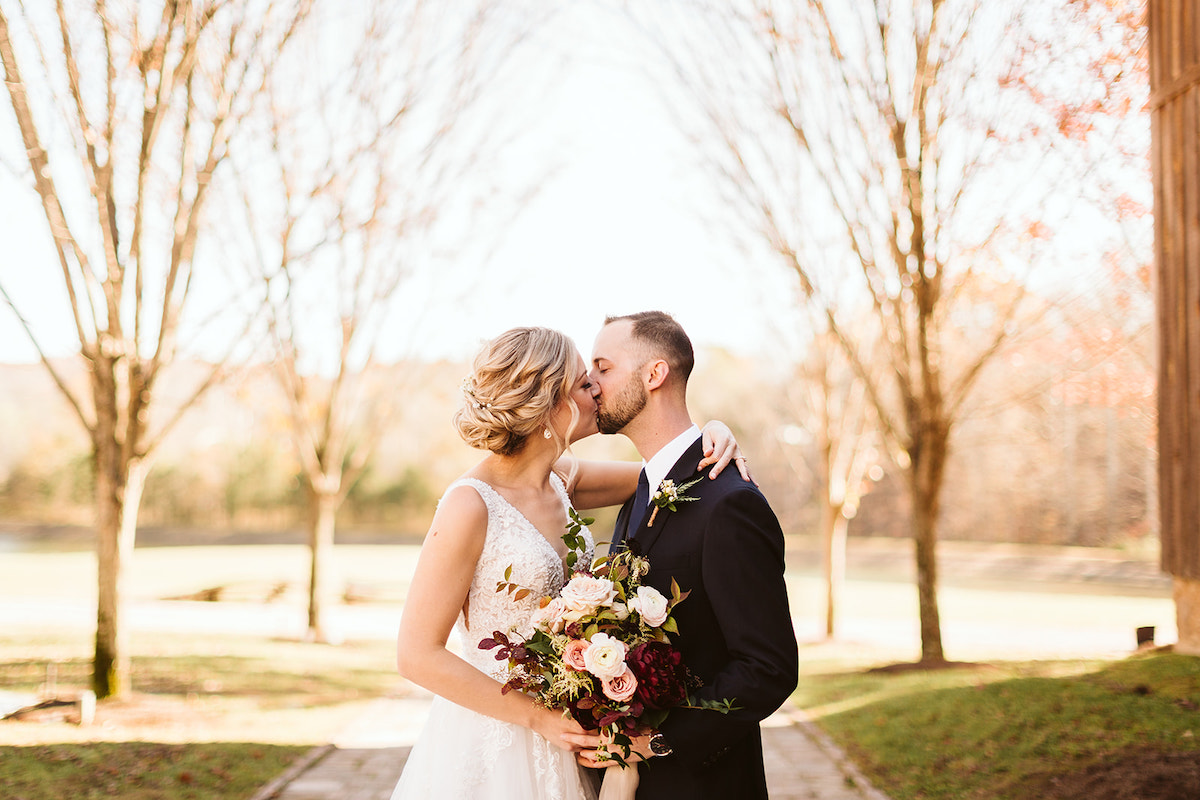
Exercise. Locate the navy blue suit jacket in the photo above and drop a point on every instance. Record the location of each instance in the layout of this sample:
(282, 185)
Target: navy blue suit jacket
(735, 629)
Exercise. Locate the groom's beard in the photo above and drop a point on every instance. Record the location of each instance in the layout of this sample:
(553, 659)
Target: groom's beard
(621, 410)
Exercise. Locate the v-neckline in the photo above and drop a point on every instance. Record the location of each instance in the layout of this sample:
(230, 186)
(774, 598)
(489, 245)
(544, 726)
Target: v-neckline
(562, 558)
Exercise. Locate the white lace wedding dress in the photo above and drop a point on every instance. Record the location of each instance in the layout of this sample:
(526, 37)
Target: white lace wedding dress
(462, 755)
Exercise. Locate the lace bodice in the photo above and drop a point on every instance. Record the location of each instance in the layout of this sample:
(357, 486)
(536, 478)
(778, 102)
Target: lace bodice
(511, 540)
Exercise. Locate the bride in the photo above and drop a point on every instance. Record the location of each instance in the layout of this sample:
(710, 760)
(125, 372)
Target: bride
(527, 400)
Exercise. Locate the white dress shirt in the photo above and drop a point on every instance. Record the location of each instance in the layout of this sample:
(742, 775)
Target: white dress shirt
(661, 462)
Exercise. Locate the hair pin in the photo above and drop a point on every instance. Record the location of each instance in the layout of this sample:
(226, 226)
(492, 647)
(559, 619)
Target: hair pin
(468, 388)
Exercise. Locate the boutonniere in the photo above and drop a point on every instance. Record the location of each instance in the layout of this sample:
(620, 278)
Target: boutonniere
(668, 494)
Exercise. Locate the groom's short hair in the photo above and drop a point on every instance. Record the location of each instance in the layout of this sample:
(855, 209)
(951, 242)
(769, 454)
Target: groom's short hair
(664, 338)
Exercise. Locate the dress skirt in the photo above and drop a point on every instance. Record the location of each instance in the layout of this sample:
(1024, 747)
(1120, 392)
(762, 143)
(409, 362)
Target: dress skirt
(462, 755)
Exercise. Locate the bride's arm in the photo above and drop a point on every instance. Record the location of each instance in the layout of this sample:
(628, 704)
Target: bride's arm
(600, 483)
(608, 483)
(438, 591)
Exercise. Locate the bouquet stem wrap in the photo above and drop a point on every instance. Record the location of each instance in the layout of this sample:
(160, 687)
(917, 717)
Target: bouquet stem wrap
(620, 783)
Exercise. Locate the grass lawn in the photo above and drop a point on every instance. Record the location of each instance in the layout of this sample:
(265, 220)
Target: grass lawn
(209, 717)
(141, 770)
(1018, 730)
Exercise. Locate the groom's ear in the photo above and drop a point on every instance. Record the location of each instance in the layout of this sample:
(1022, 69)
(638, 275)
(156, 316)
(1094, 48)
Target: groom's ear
(657, 376)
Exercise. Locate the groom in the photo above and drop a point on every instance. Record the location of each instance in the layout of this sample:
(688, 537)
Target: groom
(726, 548)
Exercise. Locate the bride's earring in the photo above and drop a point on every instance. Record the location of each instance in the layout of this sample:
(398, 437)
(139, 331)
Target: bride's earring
(546, 433)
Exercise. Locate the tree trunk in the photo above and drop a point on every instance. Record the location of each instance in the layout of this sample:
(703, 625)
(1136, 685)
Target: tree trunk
(322, 522)
(118, 495)
(926, 471)
(1070, 438)
(1112, 477)
(833, 560)
(1175, 158)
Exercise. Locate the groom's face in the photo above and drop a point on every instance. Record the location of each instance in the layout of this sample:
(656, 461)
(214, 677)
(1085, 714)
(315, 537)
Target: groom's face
(617, 379)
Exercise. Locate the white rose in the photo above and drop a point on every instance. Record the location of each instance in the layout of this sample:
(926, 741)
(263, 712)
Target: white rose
(605, 656)
(584, 594)
(650, 604)
(621, 611)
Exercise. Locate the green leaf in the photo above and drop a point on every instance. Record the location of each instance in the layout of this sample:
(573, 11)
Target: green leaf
(540, 644)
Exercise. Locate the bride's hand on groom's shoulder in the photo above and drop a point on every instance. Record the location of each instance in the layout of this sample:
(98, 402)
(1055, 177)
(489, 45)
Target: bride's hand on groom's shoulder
(720, 447)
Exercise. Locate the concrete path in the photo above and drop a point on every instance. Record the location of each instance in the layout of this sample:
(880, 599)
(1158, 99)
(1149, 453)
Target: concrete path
(365, 760)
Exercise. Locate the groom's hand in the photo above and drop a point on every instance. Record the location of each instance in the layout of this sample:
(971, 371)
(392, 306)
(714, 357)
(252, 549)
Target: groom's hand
(591, 755)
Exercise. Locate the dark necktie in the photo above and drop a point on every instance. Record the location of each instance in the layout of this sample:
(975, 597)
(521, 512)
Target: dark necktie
(640, 499)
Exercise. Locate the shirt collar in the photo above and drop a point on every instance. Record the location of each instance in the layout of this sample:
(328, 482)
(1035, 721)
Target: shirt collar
(661, 462)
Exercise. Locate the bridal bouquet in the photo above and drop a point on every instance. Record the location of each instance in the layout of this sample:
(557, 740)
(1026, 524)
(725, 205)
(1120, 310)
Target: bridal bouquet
(600, 649)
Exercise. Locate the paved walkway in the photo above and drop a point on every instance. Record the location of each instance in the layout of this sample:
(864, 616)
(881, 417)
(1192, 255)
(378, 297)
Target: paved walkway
(364, 761)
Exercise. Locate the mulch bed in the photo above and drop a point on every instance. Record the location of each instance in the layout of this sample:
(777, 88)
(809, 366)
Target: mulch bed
(1143, 774)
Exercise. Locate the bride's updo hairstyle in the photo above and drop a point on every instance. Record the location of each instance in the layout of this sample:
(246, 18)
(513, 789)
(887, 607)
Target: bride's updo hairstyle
(518, 378)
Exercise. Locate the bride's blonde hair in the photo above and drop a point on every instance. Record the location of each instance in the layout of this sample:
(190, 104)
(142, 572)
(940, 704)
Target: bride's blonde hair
(517, 380)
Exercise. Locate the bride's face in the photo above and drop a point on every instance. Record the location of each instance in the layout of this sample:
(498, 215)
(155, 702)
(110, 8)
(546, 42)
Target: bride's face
(581, 397)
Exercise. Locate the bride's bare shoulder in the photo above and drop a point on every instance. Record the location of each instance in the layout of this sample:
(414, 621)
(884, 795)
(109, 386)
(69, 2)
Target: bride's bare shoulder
(461, 509)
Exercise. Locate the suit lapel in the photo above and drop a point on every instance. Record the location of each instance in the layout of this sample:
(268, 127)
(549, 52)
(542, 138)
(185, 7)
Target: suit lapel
(619, 529)
(683, 471)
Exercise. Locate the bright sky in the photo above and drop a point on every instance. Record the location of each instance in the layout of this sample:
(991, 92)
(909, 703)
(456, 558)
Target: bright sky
(615, 230)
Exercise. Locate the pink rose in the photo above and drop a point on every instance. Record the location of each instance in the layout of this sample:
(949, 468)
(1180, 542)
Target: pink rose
(620, 688)
(550, 616)
(573, 654)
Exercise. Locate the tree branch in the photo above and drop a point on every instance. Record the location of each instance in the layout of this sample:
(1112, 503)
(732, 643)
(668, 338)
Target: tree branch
(58, 379)
(39, 163)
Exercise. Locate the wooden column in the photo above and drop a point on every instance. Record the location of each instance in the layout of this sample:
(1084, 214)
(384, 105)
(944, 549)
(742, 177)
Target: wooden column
(1174, 27)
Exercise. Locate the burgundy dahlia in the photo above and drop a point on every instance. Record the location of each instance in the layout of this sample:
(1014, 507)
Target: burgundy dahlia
(585, 709)
(662, 678)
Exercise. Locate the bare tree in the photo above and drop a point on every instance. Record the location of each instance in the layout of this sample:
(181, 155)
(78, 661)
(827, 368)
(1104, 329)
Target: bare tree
(356, 171)
(895, 154)
(126, 114)
(831, 440)
(831, 402)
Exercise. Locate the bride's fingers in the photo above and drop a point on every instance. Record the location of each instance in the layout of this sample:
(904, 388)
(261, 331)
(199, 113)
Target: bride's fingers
(743, 466)
(591, 759)
(718, 465)
(706, 443)
(718, 457)
(720, 461)
(718, 444)
(580, 741)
